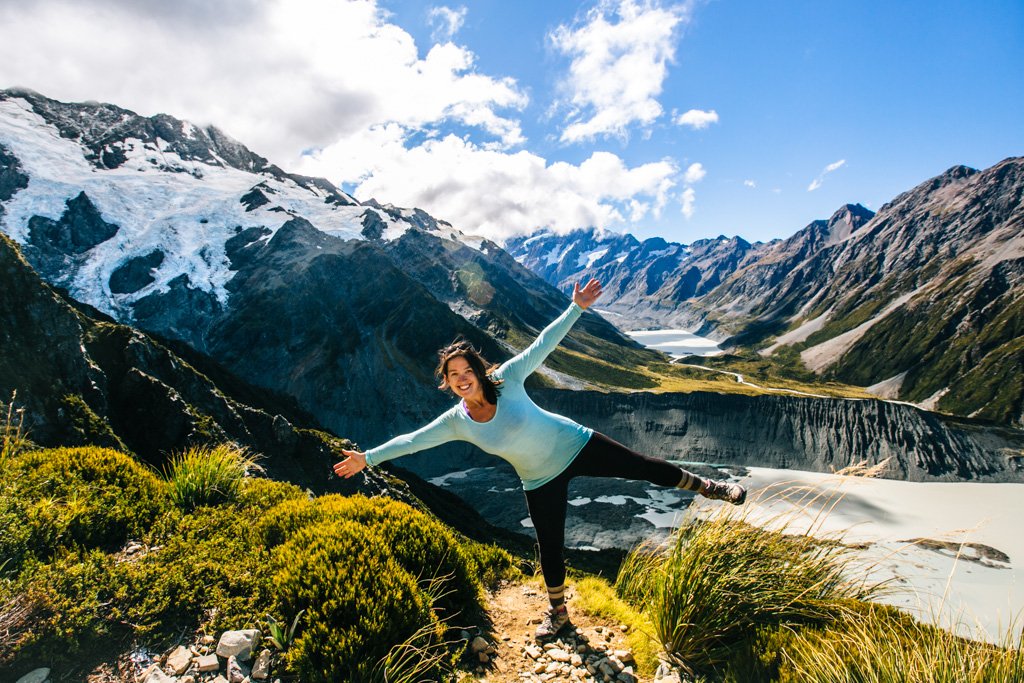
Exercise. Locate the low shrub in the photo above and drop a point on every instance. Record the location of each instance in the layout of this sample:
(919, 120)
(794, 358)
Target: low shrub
(359, 601)
(423, 546)
(66, 497)
(76, 601)
(204, 570)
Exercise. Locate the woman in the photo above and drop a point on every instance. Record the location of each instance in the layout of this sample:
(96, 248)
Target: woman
(546, 450)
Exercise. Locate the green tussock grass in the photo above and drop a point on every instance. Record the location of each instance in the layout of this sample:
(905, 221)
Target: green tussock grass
(205, 475)
(597, 597)
(730, 601)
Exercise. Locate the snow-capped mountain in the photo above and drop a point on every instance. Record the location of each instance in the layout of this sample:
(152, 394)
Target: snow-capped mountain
(646, 283)
(921, 302)
(288, 281)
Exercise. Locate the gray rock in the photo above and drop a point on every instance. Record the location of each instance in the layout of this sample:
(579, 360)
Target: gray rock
(37, 676)
(207, 663)
(478, 645)
(239, 644)
(179, 660)
(261, 669)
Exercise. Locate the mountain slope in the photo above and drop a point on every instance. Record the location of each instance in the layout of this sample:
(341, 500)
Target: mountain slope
(287, 281)
(924, 299)
(85, 381)
(920, 302)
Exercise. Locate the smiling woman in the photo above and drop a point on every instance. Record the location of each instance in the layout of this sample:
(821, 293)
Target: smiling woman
(547, 450)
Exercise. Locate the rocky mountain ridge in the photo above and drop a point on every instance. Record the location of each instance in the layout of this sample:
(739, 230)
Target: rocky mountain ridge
(921, 302)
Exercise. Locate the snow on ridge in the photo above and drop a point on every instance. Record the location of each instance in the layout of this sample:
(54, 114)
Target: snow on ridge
(186, 209)
(590, 257)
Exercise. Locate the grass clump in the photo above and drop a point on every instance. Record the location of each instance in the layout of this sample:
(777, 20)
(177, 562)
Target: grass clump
(879, 643)
(718, 582)
(205, 475)
(13, 435)
(597, 597)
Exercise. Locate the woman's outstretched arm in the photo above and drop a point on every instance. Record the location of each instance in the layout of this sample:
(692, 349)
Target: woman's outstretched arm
(520, 367)
(434, 434)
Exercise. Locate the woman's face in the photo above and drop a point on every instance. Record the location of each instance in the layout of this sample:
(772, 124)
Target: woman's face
(461, 378)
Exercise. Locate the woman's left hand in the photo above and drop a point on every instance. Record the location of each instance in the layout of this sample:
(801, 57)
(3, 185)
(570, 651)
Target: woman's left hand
(586, 296)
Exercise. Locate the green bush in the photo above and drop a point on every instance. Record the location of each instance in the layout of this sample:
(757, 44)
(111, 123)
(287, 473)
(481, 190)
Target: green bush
(207, 476)
(423, 546)
(262, 494)
(359, 600)
(60, 498)
(205, 570)
(76, 600)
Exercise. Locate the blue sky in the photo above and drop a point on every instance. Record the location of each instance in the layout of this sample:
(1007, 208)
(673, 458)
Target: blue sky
(505, 117)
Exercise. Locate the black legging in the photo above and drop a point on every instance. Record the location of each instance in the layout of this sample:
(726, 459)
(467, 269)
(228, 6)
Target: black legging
(601, 457)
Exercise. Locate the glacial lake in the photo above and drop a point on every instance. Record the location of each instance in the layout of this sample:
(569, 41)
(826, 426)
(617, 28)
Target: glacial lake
(676, 343)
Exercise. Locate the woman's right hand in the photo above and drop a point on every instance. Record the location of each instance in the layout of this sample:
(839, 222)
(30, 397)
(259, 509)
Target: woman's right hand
(354, 463)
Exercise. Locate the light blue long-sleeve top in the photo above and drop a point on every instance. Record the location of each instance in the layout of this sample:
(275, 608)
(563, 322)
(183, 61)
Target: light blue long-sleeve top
(538, 444)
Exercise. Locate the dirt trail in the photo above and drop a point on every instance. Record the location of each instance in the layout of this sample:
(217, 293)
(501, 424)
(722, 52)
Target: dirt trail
(515, 656)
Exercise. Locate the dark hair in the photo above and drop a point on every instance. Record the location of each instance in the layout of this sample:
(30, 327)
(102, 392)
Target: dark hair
(461, 348)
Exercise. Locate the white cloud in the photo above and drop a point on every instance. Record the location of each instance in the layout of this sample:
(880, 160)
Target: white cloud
(688, 199)
(816, 183)
(446, 21)
(750, 183)
(694, 174)
(697, 119)
(619, 58)
(329, 88)
(498, 194)
(281, 76)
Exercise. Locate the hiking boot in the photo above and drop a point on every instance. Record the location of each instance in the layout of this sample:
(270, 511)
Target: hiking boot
(723, 490)
(555, 619)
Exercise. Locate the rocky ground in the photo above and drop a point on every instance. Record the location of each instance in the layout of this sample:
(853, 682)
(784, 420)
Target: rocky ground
(590, 649)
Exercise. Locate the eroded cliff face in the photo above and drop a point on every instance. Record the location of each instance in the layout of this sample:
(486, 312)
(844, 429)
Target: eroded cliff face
(811, 434)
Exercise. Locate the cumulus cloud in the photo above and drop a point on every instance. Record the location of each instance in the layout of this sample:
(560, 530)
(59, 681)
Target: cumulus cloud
(697, 119)
(688, 199)
(749, 183)
(619, 54)
(816, 183)
(281, 76)
(332, 88)
(498, 194)
(694, 173)
(446, 21)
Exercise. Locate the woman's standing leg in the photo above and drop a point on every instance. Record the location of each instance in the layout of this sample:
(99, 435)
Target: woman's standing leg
(547, 506)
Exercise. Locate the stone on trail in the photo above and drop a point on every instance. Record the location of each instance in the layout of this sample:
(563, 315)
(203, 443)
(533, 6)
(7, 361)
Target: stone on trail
(155, 674)
(234, 670)
(238, 643)
(559, 655)
(261, 669)
(207, 663)
(478, 645)
(179, 659)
